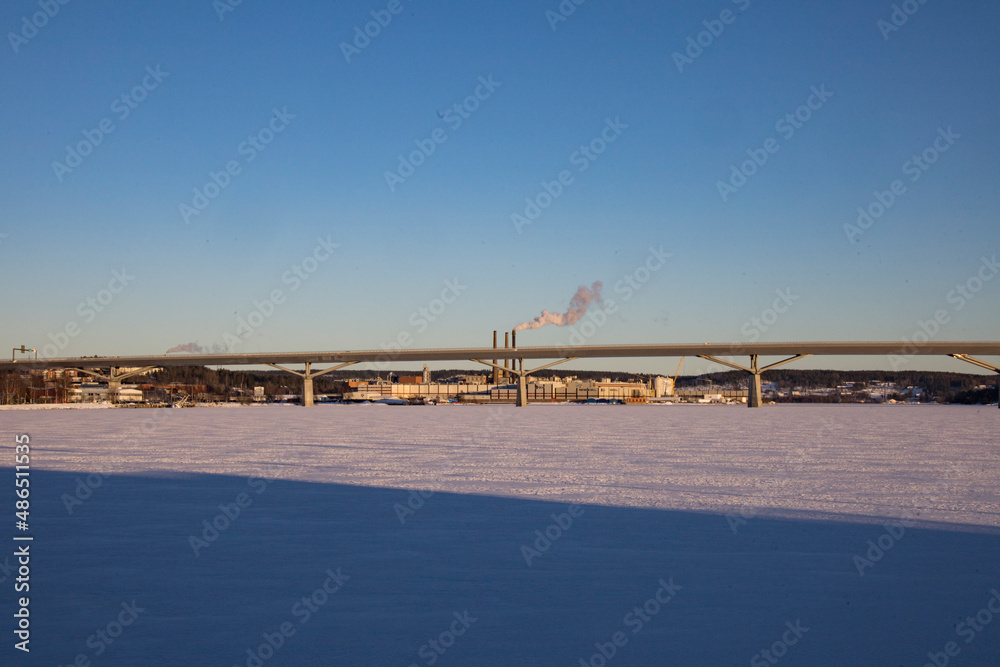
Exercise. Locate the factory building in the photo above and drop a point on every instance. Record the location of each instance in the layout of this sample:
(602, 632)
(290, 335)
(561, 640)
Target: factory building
(90, 392)
(476, 390)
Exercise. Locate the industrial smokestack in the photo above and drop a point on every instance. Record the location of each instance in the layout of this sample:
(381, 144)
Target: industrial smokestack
(506, 346)
(513, 345)
(496, 371)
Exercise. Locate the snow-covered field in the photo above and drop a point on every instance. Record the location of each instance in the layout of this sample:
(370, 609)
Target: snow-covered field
(468, 535)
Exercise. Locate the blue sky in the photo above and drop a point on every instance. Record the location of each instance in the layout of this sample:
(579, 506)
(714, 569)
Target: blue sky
(888, 96)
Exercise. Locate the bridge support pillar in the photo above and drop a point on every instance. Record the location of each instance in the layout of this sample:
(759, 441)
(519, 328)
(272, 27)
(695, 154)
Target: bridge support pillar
(754, 397)
(307, 387)
(517, 368)
(307, 379)
(522, 387)
(754, 394)
(114, 379)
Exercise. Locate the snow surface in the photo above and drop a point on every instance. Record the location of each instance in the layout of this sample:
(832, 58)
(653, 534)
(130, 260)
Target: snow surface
(758, 517)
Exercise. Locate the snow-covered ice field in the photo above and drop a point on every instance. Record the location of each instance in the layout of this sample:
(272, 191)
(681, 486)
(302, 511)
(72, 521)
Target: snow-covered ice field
(473, 535)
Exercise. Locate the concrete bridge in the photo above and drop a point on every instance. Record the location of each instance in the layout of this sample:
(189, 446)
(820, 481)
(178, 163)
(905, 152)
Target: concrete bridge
(95, 366)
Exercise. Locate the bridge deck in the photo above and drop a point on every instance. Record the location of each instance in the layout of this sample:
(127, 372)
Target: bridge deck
(582, 351)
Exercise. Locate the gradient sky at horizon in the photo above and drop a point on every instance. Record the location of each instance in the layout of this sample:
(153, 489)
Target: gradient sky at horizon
(656, 186)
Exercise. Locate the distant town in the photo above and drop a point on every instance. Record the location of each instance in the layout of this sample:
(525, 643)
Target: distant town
(199, 385)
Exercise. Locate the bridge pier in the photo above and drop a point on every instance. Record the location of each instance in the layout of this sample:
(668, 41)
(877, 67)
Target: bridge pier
(307, 387)
(307, 379)
(754, 395)
(522, 387)
(113, 379)
(517, 369)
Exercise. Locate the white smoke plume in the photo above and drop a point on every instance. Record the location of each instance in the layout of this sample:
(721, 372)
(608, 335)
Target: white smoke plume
(194, 348)
(578, 306)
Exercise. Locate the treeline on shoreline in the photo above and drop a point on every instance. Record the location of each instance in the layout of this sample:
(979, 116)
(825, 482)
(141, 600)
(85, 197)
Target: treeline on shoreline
(937, 386)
